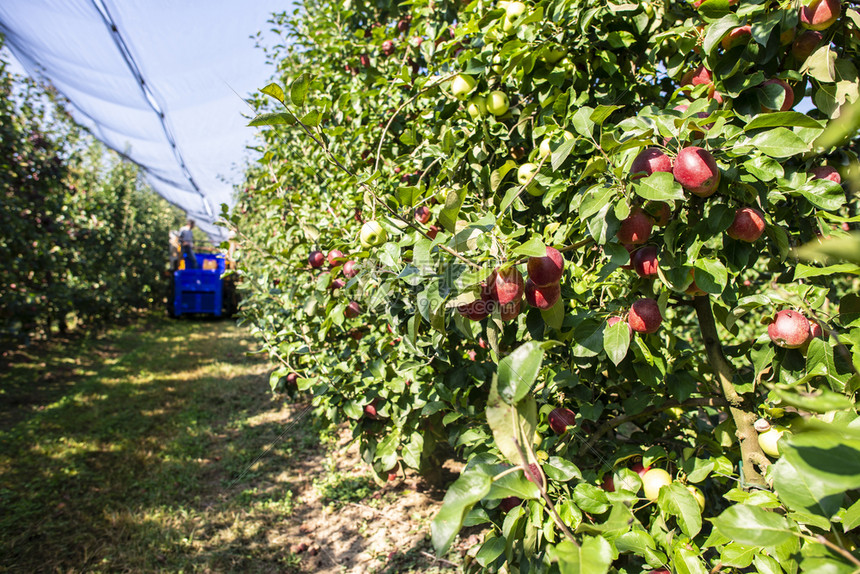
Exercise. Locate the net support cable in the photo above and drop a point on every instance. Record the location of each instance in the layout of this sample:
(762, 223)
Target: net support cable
(150, 97)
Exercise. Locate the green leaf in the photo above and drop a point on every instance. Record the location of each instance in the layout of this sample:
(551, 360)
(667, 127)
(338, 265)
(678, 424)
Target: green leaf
(711, 275)
(738, 555)
(805, 271)
(753, 526)
(824, 194)
(764, 168)
(595, 199)
(659, 186)
(582, 122)
(560, 469)
(851, 518)
(839, 130)
(560, 154)
(839, 249)
(822, 402)
(534, 247)
(782, 119)
(718, 29)
(554, 316)
(518, 372)
(299, 89)
(616, 341)
(779, 142)
(593, 556)
(804, 492)
(275, 91)
(680, 503)
(468, 489)
(601, 113)
(312, 118)
(830, 457)
(514, 484)
(280, 118)
(491, 549)
(686, 561)
(821, 65)
(590, 498)
(451, 210)
(509, 423)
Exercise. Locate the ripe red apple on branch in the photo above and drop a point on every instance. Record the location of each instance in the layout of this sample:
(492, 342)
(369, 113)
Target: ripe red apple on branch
(546, 270)
(650, 160)
(789, 329)
(560, 418)
(335, 257)
(697, 172)
(748, 225)
(316, 259)
(826, 172)
(645, 261)
(820, 14)
(644, 316)
(542, 297)
(636, 228)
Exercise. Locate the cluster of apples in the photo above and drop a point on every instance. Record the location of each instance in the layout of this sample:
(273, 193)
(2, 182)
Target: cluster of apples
(505, 288)
(653, 479)
(349, 268)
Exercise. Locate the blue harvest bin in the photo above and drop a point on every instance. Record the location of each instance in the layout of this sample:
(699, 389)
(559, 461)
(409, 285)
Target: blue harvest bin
(197, 291)
(204, 258)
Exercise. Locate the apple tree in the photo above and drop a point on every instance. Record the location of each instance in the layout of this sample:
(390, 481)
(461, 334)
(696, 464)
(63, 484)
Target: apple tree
(600, 252)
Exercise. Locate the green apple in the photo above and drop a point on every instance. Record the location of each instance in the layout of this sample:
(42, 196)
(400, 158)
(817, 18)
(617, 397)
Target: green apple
(497, 64)
(544, 149)
(768, 441)
(498, 103)
(462, 86)
(653, 481)
(513, 14)
(372, 234)
(525, 172)
(552, 55)
(697, 494)
(477, 107)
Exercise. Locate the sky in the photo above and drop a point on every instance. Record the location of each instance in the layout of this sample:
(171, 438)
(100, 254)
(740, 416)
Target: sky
(162, 82)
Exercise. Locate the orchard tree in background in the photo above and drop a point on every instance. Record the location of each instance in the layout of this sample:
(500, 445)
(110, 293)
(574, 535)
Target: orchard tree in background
(559, 241)
(82, 239)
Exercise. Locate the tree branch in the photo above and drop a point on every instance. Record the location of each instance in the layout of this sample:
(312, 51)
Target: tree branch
(742, 411)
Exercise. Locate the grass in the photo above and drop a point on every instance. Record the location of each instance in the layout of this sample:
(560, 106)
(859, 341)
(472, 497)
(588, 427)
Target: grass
(121, 453)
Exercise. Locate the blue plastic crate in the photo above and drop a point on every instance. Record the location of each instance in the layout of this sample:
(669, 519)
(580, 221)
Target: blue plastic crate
(217, 258)
(197, 291)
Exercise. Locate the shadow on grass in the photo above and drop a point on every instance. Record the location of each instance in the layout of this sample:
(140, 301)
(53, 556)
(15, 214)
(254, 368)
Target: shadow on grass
(127, 469)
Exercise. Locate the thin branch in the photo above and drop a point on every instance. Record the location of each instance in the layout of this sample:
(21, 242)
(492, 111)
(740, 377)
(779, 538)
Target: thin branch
(618, 421)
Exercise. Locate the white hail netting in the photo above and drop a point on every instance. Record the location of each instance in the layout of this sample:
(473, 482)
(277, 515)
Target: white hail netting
(161, 82)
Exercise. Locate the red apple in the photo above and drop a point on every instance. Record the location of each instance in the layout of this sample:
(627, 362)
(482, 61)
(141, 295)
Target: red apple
(509, 503)
(825, 172)
(337, 284)
(535, 477)
(697, 76)
(645, 261)
(388, 47)
(507, 286)
(696, 170)
(789, 329)
(546, 270)
(350, 269)
(292, 378)
(333, 257)
(432, 232)
(815, 330)
(748, 225)
(805, 44)
(608, 483)
(422, 214)
(542, 297)
(476, 310)
(740, 35)
(636, 228)
(352, 310)
(560, 418)
(649, 161)
(644, 316)
(510, 311)
(364, 60)
(316, 259)
(659, 211)
(820, 14)
(639, 469)
(788, 99)
(370, 409)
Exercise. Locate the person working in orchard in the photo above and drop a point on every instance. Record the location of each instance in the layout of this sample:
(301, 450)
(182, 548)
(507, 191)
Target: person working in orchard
(186, 239)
